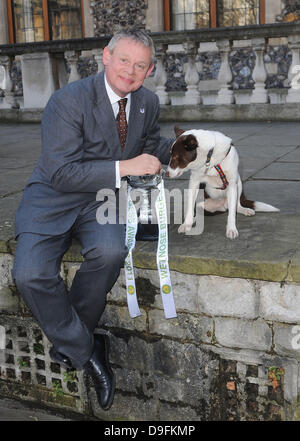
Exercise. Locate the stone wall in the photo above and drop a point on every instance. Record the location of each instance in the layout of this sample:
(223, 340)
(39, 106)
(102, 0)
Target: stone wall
(232, 353)
(110, 16)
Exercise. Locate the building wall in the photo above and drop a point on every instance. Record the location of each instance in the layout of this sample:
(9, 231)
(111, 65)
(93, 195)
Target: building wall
(232, 354)
(110, 16)
(106, 16)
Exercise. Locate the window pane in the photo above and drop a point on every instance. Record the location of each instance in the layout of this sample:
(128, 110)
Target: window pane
(190, 14)
(238, 12)
(28, 17)
(189, 21)
(65, 19)
(178, 6)
(190, 6)
(178, 22)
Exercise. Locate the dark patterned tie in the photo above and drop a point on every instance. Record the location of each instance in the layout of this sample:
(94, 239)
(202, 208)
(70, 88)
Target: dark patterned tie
(121, 122)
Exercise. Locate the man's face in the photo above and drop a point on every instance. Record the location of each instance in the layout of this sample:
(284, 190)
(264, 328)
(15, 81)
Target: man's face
(127, 66)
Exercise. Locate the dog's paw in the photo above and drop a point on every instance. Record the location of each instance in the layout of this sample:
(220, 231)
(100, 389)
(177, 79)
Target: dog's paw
(232, 232)
(184, 228)
(246, 211)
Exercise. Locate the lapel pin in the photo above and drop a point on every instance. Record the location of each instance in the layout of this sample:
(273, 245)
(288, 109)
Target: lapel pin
(142, 110)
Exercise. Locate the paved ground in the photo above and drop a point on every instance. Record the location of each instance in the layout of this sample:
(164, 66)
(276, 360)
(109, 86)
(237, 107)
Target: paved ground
(269, 163)
(12, 410)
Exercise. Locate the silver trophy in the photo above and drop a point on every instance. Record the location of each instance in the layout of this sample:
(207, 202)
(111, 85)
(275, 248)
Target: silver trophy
(147, 191)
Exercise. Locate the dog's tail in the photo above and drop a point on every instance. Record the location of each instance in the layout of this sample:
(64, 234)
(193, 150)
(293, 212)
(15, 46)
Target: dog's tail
(256, 205)
(261, 206)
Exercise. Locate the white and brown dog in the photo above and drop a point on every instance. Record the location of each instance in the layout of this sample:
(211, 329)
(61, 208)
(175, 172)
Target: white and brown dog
(213, 160)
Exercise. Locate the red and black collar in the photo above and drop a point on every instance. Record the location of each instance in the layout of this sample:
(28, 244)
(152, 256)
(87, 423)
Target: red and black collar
(218, 168)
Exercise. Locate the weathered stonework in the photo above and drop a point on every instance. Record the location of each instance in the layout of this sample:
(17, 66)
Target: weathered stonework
(290, 11)
(111, 16)
(213, 362)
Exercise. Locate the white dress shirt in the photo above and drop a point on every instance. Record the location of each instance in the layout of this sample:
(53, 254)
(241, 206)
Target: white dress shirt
(114, 98)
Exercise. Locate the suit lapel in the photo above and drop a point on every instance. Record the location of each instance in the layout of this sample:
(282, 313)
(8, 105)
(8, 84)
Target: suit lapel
(105, 116)
(135, 123)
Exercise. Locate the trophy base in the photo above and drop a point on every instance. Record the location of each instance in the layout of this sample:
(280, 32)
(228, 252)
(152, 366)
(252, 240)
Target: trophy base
(147, 232)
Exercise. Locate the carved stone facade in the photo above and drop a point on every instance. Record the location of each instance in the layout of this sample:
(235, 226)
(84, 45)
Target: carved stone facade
(290, 12)
(110, 15)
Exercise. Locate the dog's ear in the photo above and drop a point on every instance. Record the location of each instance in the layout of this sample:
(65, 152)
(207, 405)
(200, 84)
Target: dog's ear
(178, 131)
(190, 143)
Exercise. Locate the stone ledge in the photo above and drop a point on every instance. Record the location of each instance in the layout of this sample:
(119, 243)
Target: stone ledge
(265, 250)
(209, 113)
(231, 112)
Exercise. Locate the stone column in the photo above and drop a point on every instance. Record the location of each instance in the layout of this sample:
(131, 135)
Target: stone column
(293, 95)
(225, 95)
(160, 77)
(5, 81)
(192, 95)
(72, 58)
(98, 56)
(259, 75)
(37, 79)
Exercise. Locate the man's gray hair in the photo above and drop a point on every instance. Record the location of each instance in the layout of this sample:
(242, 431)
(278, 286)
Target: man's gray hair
(137, 35)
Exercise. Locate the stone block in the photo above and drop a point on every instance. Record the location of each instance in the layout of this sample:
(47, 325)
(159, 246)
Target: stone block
(185, 292)
(220, 296)
(185, 326)
(70, 269)
(125, 407)
(244, 334)
(118, 291)
(9, 300)
(187, 391)
(118, 317)
(38, 82)
(169, 412)
(2, 337)
(181, 360)
(128, 380)
(280, 303)
(148, 290)
(287, 340)
(131, 352)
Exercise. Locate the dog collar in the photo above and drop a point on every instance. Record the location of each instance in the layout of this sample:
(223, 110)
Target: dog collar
(208, 157)
(222, 174)
(223, 177)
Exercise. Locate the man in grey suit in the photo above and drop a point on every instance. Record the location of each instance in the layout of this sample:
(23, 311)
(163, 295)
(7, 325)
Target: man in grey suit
(83, 152)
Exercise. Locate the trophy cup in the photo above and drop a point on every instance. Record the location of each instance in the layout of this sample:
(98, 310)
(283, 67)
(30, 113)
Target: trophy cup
(145, 187)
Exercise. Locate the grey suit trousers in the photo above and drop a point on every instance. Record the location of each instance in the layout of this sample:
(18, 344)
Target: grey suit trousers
(69, 319)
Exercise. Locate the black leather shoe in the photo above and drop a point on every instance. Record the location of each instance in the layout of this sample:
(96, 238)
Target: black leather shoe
(99, 369)
(60, 358)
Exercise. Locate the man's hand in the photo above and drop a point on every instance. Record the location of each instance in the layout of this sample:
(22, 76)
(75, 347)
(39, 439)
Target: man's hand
(144, 164)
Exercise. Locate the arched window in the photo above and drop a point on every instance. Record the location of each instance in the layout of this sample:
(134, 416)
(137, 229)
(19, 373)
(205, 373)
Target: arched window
(195, 14)
(39, 20)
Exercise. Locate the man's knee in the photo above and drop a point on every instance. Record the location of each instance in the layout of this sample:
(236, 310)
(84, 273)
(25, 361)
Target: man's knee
(107, 257)
(21, 278)
(33, 277)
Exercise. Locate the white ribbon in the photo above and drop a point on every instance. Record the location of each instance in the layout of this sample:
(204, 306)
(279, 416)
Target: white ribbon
(131, 229)
(161, 256)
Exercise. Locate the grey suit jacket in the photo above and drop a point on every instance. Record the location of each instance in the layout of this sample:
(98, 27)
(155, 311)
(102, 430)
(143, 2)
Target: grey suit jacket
(80, 144)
